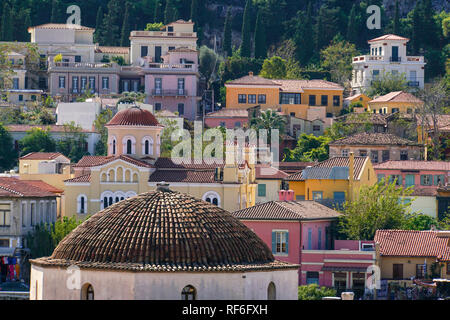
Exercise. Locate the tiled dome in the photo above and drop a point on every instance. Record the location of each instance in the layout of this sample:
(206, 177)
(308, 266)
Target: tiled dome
(133, 116)
(164, 231)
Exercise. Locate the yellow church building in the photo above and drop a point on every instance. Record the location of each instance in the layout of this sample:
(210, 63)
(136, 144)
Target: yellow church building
(133, 166)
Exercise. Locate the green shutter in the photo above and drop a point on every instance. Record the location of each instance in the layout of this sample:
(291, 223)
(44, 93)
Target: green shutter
(422, 179)
(274, 242)
(261, 190)
(380, 177)
(399, 180)
(287, 242)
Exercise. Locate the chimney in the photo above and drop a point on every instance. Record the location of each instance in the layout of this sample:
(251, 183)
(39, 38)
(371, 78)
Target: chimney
(351, 173)
(282, 195)
(162, 187)
(250, 73)
(290, 195)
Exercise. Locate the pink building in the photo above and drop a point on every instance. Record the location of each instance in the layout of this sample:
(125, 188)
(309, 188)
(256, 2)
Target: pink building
(425, 177)
(300, 232)
(227, 118)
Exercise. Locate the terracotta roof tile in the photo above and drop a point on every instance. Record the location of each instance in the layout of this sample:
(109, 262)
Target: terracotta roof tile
(13, 187)
(187, 176)
(61, 26)
(117, 50)
(388, 37)
(410, 243)
(167, 163)
(373, 139)
(252, 80)
(133, 116)
(94, 161)
(82, 178)
(300, 85)
(42, 156)
(268, 172)
(287, 210)
(164, 231)
(43, 186)
(293, 167)
(397, 96)
(226, 113)
(414, 165)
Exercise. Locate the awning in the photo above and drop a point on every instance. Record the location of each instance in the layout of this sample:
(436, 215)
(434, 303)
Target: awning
(7, 252)
(340, 269)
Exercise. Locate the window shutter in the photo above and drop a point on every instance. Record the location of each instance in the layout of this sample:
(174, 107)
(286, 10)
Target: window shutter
(399, 179)
(287, 242)
(274, 242)
(422, 178)
(436, 178)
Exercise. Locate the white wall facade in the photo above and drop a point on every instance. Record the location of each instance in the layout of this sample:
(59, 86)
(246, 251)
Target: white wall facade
(424, 205)
(82, 113)
(50, 283)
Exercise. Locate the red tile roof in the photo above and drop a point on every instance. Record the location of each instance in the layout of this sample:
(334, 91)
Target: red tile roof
(13, 187)
(268, 172)
(42, 156)
(389, 37)
(117, 50)
(253, 80)
(397, 96)
(414, 165)
(373, 139)
(43, 185)
(410, 243)
(227, 113)
(94, 161)
(133, 116)
(287, 210)
(186, 176)
(82, 178)
(293, 167)
(61, 26)
(335, 162)
(299, 85)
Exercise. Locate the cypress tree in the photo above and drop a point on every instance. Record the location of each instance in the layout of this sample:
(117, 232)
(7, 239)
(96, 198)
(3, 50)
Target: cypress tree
(397, 19)
(7, 26)
(158, 16)
(352, 28)
(227, 34)
(111, 22)
(125, 34)
(98, 26)
(194, 11)
(246, 34)
(260, 37)
(416, 28)
(27, 24)
(304, 38)
(55, 15)
(170, 13)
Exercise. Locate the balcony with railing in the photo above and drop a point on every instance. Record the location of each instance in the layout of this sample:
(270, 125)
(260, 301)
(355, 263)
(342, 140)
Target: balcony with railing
(172, 67)
(83, 66)
(367, 58)
(372, 58)
(170, 92)
(413, 83)
(164, 34)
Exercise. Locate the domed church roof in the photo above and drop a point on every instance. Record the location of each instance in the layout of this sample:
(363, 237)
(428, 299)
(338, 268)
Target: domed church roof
(133, 116)
(164, 231)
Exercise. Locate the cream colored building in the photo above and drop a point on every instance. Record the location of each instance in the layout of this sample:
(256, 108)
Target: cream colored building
(134, 166)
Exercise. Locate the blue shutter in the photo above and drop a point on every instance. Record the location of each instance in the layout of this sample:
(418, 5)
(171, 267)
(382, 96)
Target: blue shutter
(309, 239)
(400, 180)
(422, 177)
(319, 238)
(287, 242)
(274, 242)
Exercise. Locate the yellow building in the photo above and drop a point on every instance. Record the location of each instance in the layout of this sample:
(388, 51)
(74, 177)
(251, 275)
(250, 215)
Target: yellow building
(305, 99)
(397, 101)
(269, 182)
(133, 166)
(333, 181)
(360, 97)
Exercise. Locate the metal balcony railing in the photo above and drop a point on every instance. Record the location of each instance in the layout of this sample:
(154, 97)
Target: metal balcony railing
(413, 83)
(170, 93)
(395, 59)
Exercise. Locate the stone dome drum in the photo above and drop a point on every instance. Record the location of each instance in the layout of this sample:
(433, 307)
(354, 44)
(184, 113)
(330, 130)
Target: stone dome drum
(133, 116)
(164, 231)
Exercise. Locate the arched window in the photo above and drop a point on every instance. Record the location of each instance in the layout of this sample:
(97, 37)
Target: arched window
(110, 201)
(146, 151)
(189, 293)
(114, 147)
(129, 147)
(147, 145)
(271, 292)
(212, 197)
(117, 199)
(87, 292)
(82, 204)
(105, 202)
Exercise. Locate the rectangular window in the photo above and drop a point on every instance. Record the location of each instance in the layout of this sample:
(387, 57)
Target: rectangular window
(312, 100)
(324, 100)
(309, 239)
(223, 124)
(375, 74)
(20, 97)
(290, 98)
(157, 106)
(62, 82)
(339, 197)
(4, 243)
(24, 214)
(280, 242)
(261, 190)
(363, 153)
(75, 84)
(237, 124)
(336, 101)
(312, 277)
(374, 156)
(404, 155)
(83, 83)
(144, 51)
(16, 83)
(385, 155)
(180, 86)
(319, 238)
(397, 271)
(426, 179)
(158, 51)
(105, 83)
(317, 195)
(421, 271)
(77, 58)
(439, 179)
(92, 83)
(261, 98)
(397, 178)
(158, 85)
(5, 214)
(380, 176)
(32, 214)
(345, 152)
(242, 98)
(181, 109)
(252, 98)
(316, 128)
(409, 180)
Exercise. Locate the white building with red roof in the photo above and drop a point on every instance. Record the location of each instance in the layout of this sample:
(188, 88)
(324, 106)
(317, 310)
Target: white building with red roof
(387, 55)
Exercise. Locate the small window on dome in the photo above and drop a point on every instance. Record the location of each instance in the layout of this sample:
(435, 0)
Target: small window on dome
(189, 293)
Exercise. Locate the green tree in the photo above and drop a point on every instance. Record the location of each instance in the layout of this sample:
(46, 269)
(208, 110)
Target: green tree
(209, 62)
(194, 12)
(379, 206)
(55, 16)
(63, 227)
(227, 34)
(396, 21)
(8, 155)
(446, 27)
(353, 123)
(101, 147)
(111, 23)
(269, 120)
(314, 292)
(125, 34)
(39, 241)
(304, 36)
(158, 16)
(274, 68)
(235, 67)
(309, 148)
(167, 145)
(98, 26)
(352, 28)
(73, 144)
(260, 37)
(170, 12)
(6, 23)
(337, 58)
(37, 140)
(419, 222)
(386, 83)
(246, 49)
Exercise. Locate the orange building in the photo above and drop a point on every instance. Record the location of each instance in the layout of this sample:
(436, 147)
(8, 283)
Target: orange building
(305, 99)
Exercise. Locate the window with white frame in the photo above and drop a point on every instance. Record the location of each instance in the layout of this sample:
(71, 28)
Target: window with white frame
(147, 146)
(129, 145)
(280, 240)
(24, 214)
(212, 197)
(82, 204)
(5, 214)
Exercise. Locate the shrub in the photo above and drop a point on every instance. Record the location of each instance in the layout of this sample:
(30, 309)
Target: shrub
(314, 292)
